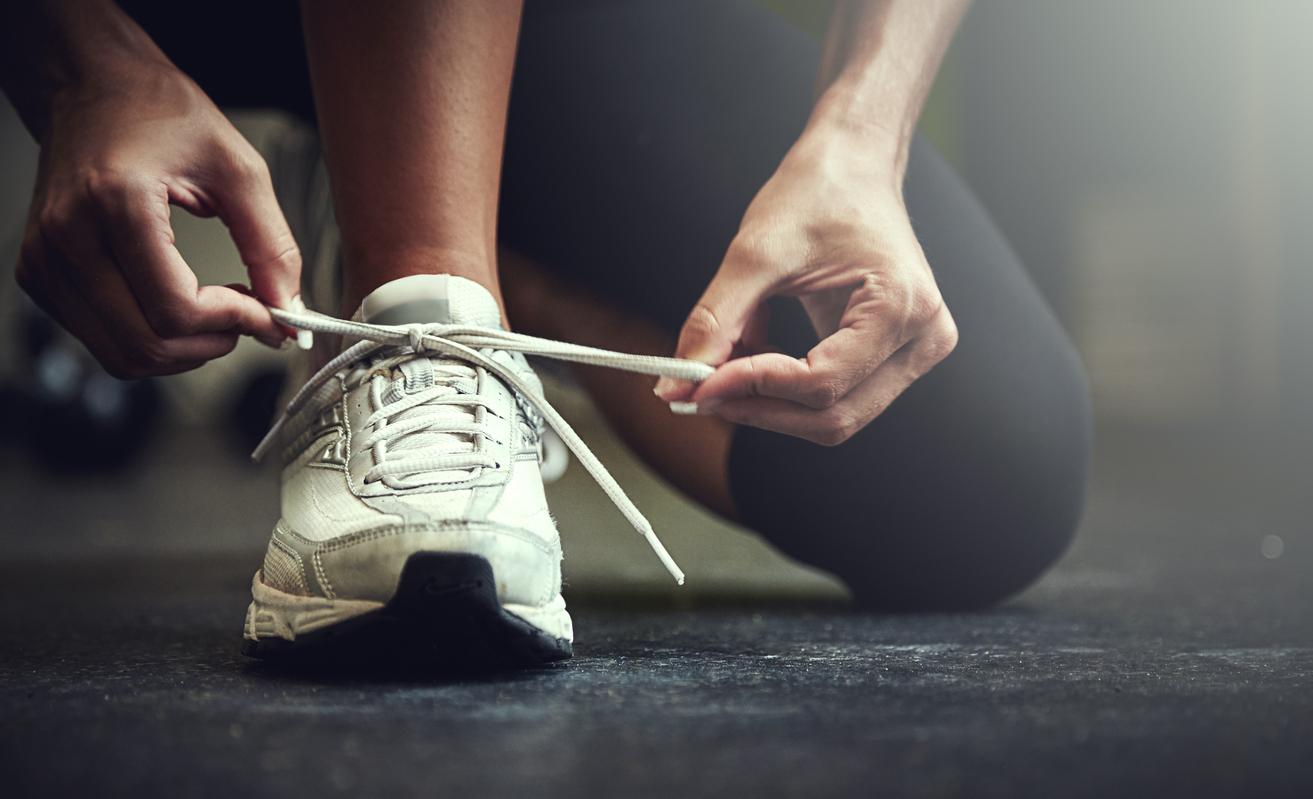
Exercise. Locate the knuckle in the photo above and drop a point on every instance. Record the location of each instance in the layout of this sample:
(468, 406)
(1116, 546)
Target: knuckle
(285, 257)
(943, 345)
(289, 253)
(246, 165)
(225, 318)
(702, 322)
(926, 302)
(145, 355)
(828, 437)
(823, 394)
(829, 433)
(54, 221)
(756, 249)
(936, 348)
(916, 300)
(884, 287)
(749, 251)
(173, 318)
(835, 429)
(746, 248)
(950, 333)
(228, 346)
(109, 190)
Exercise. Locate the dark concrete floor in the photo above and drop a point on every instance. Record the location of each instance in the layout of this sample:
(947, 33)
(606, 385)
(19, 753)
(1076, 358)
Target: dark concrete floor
(1167, 655)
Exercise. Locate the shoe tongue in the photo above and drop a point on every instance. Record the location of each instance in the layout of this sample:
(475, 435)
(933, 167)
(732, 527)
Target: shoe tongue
(430, 299)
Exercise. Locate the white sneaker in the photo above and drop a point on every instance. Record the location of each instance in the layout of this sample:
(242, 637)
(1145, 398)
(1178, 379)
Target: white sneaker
(414, 520)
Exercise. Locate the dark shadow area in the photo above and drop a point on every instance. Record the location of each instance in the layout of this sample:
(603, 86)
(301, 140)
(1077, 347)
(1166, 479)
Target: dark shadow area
(365, 671)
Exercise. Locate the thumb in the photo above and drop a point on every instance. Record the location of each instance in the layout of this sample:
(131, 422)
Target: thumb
(248, 206)
(716, 324)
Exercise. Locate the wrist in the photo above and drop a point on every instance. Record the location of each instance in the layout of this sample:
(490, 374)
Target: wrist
(852, 158)
(869, 132)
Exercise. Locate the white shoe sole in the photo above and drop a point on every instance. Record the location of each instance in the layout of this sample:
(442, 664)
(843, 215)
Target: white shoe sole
(445, 609)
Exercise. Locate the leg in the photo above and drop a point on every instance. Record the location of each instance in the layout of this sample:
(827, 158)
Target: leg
(628, 165)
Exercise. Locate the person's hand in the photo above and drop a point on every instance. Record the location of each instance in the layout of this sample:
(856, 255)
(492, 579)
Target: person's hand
(98, 252)
(831, 229)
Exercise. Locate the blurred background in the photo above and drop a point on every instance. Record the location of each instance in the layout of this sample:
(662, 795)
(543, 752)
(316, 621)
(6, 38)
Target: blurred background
(1148, 160)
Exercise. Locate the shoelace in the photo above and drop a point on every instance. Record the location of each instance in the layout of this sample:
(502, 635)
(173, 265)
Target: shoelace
(468, 343)
(407, 426)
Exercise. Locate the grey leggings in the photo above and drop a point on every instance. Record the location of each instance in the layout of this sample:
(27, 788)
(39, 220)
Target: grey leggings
(639, 131)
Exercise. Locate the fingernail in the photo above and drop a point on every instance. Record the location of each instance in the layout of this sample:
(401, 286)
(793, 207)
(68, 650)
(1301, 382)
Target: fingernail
(703, 408)
(663, 386)
(304, 338)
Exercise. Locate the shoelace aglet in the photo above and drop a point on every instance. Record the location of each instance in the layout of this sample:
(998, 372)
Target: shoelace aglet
(664, 556)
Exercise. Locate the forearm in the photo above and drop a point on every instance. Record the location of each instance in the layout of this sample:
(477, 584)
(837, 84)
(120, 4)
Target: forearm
(880, 61)
(412, 99)
(50, 46)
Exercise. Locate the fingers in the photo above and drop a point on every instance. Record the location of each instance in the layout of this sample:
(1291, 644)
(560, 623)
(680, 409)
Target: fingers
(829, 372)
(141, 241)
(879, 319)
(841, 420)
(80, 285)
(730, 307)
(138, 350)
(828, 427)
(248, 206)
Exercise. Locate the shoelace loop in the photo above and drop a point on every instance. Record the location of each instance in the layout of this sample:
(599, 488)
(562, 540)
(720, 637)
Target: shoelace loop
(403, 428)
(465, 342)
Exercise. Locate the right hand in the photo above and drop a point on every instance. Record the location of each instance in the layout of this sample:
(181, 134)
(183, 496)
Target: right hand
(98, 252)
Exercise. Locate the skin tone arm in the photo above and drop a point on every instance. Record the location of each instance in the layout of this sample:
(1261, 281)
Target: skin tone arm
(830, 228)
(124, 135)
(412, 97)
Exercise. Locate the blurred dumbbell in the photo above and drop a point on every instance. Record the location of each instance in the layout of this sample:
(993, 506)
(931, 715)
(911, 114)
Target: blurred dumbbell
(66, 411)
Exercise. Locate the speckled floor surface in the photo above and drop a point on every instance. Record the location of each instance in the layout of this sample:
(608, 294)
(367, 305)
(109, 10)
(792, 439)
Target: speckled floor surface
(1167, 655)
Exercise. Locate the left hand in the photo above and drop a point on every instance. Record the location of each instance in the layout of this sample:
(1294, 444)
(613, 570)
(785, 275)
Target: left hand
(830, 228)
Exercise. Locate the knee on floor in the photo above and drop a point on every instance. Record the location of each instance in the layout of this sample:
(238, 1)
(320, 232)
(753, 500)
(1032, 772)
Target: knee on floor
(957, 564)
(974, 538)
(984, 538)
